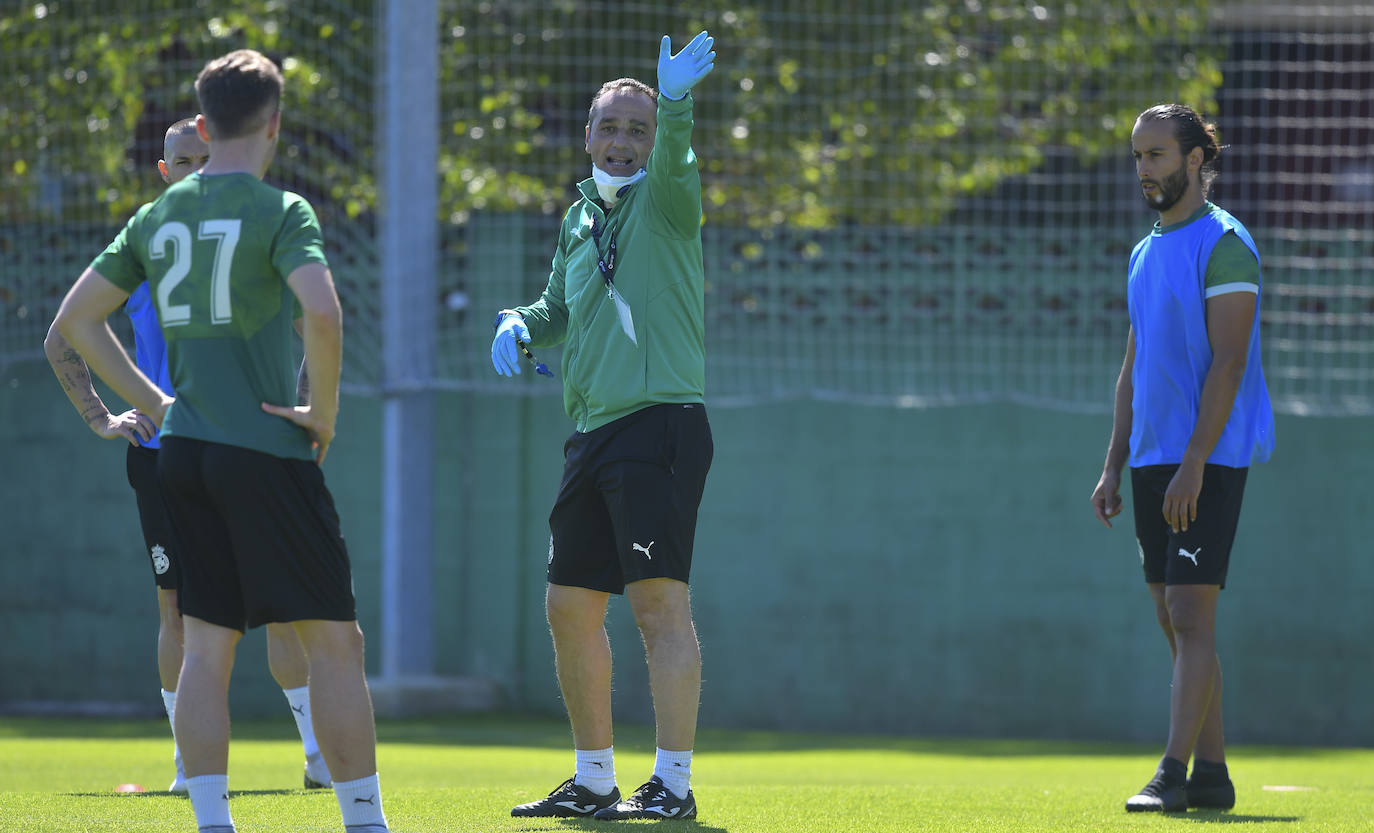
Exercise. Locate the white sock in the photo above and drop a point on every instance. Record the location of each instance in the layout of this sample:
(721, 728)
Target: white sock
(299, 700)
(210, 800)
(169, 702)
(360, 801)
(596, 769)
(674, 769)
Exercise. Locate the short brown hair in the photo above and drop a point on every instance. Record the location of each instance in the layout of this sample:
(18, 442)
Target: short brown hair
(621, 84)
(238, 93)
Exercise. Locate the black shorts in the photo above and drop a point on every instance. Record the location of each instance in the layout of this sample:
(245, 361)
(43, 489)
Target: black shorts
(627, 507)
(140, 464)
(260, 535)
(1202, 554)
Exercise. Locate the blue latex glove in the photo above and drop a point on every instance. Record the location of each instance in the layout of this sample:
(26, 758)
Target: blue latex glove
(678, 74)
(505, 356)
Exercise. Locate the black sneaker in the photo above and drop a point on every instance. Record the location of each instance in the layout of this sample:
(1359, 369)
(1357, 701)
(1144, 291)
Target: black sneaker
(568, 800)
(651, 801)
(1210, 794)
(1159, 796)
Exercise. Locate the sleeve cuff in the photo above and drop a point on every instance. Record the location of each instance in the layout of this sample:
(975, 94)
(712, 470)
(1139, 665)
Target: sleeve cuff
(501, 316)
(674, 105)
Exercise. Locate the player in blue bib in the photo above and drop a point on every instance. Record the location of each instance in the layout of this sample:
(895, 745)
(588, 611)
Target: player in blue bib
(1192, 413)
(184, 153)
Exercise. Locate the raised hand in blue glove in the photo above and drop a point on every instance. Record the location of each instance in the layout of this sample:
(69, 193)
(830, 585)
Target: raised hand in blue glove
(505, 355)
(678, 74)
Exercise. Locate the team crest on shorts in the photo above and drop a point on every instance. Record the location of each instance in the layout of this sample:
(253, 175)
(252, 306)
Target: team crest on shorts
(160, 560)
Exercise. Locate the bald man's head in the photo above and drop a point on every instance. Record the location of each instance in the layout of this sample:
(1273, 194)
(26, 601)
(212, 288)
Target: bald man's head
(182, 152)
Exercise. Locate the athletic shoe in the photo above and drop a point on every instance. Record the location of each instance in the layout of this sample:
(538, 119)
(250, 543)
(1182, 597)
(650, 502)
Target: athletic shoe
(569, 799)
(179, 785)
(1211, 795)
(316, 772)
(1159, 796)
(651, 801)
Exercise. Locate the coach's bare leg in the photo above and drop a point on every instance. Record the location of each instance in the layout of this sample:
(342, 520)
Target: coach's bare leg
(663, 611)
(1192, 615)
(582, 658)
(286, 657)
(202, 713)
(171, 637)
(340, 705)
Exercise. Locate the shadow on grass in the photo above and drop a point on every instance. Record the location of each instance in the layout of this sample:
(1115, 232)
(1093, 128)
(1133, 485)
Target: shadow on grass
(175, 796)
(689, 826)
(552, 732)
(543, 731)
(508, 729)
(1220, 817)
(130, 796)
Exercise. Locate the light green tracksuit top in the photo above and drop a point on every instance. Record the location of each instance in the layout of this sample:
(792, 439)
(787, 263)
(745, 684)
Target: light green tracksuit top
(656, 227)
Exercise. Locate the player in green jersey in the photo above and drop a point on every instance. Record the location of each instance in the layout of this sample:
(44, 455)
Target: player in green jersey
(183, 152)
(224, 256)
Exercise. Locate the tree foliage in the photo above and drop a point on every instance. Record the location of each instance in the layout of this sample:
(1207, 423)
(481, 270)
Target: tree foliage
(89, 91)
(818, 114)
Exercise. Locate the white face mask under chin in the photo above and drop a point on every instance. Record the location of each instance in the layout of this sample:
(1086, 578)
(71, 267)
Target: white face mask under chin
(611, 187)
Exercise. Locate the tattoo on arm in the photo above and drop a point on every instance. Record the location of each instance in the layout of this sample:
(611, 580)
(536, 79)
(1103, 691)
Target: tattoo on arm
(75, 377)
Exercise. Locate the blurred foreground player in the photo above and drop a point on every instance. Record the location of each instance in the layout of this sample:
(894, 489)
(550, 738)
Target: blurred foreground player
(183, 152)
(224, 255)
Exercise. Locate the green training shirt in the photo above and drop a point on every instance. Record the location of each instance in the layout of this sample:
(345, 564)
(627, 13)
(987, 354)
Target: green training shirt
(656, 228)
(216, 252)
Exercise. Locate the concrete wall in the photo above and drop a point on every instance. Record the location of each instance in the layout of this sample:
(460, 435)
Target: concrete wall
(868, 569)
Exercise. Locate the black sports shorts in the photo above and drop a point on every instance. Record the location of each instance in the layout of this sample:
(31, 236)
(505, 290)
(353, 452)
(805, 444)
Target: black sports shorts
(627, 507)
(260, 535)
(140, 464)
(1202, 554)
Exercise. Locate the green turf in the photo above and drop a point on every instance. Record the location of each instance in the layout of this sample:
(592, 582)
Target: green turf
(463, 775)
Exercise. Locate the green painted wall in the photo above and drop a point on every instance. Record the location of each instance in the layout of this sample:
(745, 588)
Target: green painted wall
(868, 569)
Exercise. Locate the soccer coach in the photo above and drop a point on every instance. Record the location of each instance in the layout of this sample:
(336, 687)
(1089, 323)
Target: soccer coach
(625, 297)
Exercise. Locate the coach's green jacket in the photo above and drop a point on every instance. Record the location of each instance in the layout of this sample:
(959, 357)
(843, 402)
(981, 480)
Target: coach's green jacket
(656, 227)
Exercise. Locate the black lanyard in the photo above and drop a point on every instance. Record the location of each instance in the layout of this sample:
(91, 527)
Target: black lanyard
(606, 262)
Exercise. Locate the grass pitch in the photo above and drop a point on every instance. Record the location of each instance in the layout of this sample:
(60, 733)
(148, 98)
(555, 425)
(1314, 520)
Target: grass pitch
(463, 775)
